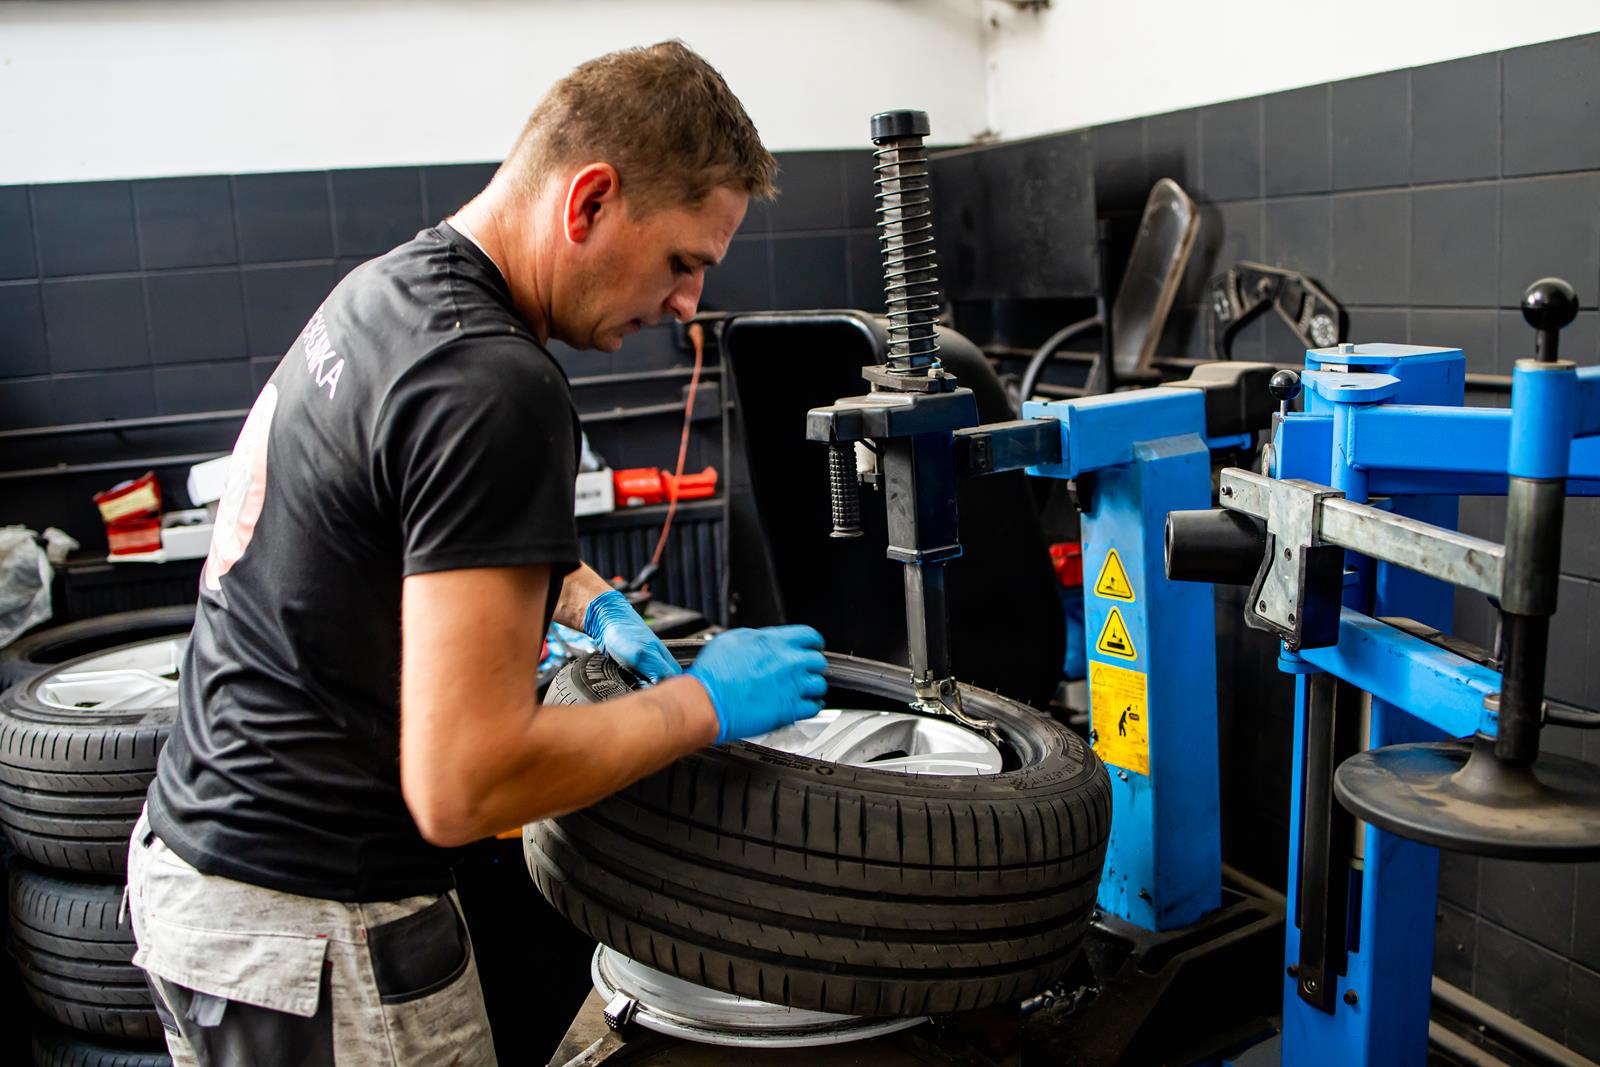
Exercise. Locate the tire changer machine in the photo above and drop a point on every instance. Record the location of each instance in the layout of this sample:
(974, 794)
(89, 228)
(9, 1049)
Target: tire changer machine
(1348, 544)
(1172, 950)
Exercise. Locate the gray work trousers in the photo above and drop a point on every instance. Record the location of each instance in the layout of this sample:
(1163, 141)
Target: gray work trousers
(245, 976)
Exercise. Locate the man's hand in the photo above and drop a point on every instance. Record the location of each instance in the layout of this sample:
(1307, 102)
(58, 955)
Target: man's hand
(626, 638)
(760, 680)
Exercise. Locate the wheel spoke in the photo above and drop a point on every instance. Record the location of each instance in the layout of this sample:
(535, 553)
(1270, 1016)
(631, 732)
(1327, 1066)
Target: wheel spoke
(900, 741)
(135, 678)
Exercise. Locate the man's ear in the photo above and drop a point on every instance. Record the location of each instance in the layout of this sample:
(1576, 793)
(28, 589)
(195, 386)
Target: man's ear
(594, 190)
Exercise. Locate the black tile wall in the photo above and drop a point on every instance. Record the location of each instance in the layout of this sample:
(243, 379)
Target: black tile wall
(1297, 234)
(1550, 226)
(1549, 107)
(1230, 150)
(810, 193)
(123, 394)
(203, 387)
(95, 323)
(22, 346)
(1455, 120)
(1295, 151)
(283, 216)
(446, 189)
(279, 300)
(1455, 230)
(195, 315)
(743, 280)
(1371, 261)
(1526, 981)
(1371, 125)
(810, 272)
(1473, 331)
(16, 222)
(1172, 147)
(374, 210)
(1583, 1012)
(185, 222)
(1454, 944)
(1120, 183)
(85, 228)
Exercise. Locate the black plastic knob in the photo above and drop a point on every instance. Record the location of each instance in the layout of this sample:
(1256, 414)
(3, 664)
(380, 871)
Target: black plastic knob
(893, 125)
(1284, 386)
(1549, 305)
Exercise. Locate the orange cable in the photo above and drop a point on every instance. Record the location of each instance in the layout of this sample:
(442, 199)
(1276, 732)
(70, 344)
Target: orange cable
(697, 336)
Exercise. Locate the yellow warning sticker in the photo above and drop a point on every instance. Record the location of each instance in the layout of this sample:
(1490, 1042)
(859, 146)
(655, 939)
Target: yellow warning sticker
(1120, 717)
(1113, 581)
(1114, 639)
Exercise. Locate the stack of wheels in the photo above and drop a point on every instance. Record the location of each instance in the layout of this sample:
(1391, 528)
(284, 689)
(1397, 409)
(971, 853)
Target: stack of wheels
(89, 707)
(869, 862)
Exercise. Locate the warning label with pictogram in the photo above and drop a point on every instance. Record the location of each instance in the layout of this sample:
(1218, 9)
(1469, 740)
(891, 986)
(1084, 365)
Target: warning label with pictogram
(1120, 717)
(1113, 581)
(1114, 639)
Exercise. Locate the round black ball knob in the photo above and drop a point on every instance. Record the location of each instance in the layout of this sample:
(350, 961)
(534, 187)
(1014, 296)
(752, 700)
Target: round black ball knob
(1284, 386)
(893, 125)
(1549, 304)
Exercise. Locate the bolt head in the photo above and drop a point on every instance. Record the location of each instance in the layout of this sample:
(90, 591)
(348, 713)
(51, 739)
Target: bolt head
(1350, 997)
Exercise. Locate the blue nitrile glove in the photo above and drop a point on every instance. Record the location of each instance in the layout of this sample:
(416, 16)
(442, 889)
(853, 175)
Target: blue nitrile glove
(627, 638)
(760, 680)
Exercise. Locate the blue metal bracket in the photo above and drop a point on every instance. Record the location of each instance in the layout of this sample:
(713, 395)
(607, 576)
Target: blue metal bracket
(1431, 683)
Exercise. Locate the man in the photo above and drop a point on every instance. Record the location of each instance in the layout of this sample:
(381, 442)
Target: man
(359, 691)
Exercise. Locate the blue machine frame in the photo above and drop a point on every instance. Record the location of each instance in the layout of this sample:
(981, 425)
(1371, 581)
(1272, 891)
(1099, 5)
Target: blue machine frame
(1386, 420)
(1148, 452)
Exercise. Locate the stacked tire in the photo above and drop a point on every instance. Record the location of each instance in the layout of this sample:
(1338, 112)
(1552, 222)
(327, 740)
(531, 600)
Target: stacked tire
(89, 707)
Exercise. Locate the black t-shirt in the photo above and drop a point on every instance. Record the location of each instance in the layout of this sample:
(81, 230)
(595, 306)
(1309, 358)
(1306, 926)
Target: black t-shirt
(416, 425)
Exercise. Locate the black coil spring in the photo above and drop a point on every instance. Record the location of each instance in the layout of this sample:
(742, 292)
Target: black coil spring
(844, 488)
(910, 271)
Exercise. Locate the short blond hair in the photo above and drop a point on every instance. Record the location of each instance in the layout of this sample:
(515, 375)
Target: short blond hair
(661, 115)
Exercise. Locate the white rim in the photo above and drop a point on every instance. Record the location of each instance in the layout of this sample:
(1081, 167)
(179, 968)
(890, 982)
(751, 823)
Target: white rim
(135, 677)
(900, 741)
(682, 1009)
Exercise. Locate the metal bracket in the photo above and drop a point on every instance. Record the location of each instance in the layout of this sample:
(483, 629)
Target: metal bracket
(943, 698)
(1296, 593)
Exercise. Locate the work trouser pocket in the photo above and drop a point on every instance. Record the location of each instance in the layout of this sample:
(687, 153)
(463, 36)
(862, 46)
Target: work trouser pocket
(419, 954)
(428, 988)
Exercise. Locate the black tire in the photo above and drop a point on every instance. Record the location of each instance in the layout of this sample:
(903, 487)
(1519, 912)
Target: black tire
(69, 919)
(118, 1010)
(66, 1050)
(74, 949)
(72, 781)
(60, 643)
(834, 887)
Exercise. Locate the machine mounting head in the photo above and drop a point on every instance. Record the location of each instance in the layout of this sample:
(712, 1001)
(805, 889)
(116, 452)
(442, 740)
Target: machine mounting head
(893, 125)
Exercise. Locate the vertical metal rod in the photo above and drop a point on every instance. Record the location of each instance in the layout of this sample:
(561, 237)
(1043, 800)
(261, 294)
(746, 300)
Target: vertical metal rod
(927, 622)
(1332, 722)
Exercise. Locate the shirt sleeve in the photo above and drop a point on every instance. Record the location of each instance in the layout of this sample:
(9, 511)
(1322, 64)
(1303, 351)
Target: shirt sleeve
(474, 451)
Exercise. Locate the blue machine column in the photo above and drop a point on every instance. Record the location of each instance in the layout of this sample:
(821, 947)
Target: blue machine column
(1151, 649)
(1380, 1001)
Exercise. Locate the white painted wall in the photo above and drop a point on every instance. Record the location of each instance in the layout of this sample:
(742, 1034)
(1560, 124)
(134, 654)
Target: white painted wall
(96, 89)
(1084, 62)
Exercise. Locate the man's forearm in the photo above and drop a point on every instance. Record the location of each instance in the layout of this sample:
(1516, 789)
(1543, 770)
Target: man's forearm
(577, 589)
(569, 756)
